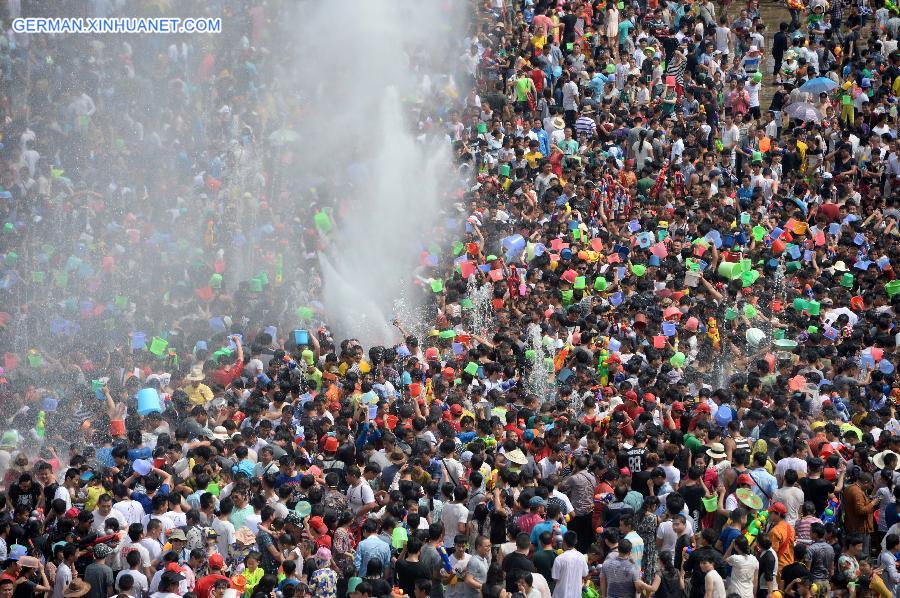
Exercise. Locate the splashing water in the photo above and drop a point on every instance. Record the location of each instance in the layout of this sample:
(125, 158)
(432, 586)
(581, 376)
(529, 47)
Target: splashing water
(483, 312)
(539, 377)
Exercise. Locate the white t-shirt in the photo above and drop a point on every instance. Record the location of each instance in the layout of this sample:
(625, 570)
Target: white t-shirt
(715, 587)
(140, 582)
(132, 510)
(62, 580)
(63, 494)
(99, 524)
(153, 548)
(225, 531)
(569, 569)
(744, 568)
(668, 536)
(452, 515)
(360, 496)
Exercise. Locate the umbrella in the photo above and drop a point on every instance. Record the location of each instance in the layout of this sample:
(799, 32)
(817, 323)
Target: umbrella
(803, 111)
(749, 498)
(818, 85)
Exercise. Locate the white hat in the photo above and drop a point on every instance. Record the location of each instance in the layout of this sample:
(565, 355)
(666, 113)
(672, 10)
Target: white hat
(516, 457)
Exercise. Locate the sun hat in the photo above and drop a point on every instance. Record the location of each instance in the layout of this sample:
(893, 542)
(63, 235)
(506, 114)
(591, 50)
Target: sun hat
(716, 450)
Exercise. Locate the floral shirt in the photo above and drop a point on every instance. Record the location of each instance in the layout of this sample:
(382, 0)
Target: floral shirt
(324, 583)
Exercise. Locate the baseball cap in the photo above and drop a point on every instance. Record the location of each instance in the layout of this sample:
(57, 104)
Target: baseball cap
(536, 501)
(703, 408)
(777, 507)
(216, 561)
(677, 406)
(177, 534)
(331, 444)
(744, 479)
(318, 524)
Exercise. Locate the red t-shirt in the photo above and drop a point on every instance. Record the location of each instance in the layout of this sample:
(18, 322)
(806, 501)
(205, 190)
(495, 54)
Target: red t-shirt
(205, 584)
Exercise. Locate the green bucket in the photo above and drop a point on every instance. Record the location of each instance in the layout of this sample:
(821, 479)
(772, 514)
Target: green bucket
(711, 503)
(730, 270)
(892, 288)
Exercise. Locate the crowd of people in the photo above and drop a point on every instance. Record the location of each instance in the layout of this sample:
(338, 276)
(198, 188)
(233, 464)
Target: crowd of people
(659, 345)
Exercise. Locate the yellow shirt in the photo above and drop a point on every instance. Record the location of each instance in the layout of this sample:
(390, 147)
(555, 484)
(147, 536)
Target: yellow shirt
(93, 495)
(532, 158)
(199, 395)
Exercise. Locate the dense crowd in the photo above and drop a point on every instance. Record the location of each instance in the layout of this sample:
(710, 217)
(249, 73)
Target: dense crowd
(660, 333)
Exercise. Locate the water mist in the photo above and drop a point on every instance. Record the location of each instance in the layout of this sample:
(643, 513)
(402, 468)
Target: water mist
(371, 75)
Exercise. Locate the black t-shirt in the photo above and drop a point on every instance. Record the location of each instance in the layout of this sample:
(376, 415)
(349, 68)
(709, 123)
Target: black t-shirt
(380, 587)
(569, 21)
(49, 493)
(792, 572)
(516, 562)
(693, 498)
(28, 498)
(24, 589)
(817, 491)
(635, 458)
(639, 483)
(407, 574)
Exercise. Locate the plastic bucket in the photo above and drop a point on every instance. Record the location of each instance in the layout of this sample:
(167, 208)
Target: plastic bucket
(301, 337)
(148, 401)
(711, 503)
(691, 278)
(892, 288)
(730, 270)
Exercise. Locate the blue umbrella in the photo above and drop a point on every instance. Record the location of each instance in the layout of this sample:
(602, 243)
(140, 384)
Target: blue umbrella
(818, 85)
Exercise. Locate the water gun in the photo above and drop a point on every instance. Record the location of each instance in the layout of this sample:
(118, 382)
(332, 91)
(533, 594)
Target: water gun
(445, 559)
(830, 514)
(756, 526)
(892, 5)
(40, 426)
(603, 367)
(712, 331)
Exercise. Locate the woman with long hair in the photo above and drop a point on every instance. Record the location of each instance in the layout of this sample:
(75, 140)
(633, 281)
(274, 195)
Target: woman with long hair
(645, 524)
(668, 582)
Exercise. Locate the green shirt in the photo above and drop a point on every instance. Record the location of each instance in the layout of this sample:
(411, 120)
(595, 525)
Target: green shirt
(693, 443)
(523, 86)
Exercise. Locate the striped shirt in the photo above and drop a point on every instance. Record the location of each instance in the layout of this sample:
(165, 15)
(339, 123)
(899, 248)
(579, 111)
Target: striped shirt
(585, 125)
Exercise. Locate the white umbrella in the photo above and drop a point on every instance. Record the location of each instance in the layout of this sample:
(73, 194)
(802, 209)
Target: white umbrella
(803, 111)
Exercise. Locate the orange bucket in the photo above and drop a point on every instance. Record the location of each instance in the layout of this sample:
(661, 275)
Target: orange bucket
(117, 427)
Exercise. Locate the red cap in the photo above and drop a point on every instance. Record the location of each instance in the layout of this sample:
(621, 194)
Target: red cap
(431, 354)
(448, 373)
(678, 406)
(173, 567)
(777, 507)
(649, 397)
(624, 471)
(72, 513)
(631, 395)
(614, 358)
(744, 479)
(318, 524)
(216, 561)
(331, 444)
(703, 408)
(456, 409)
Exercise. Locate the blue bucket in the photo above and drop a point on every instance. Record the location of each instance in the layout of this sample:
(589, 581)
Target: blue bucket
(148, 401)
(301, 337)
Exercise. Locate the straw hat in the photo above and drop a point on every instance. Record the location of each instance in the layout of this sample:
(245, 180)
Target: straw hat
(716, 450)
(77, 588)
(517, 457)
(196, 374)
